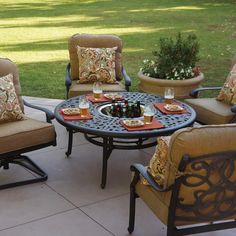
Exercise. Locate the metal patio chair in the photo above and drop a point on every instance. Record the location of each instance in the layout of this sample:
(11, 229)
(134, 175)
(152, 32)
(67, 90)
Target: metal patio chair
(22, 136)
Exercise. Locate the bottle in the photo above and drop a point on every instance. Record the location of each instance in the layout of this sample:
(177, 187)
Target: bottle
(135, 111)
(128, 110)
(119, 110)
(132, 112)
(113, 108)
(126, 104)
(139, 111)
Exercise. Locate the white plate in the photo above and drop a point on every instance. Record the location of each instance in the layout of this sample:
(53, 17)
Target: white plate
(133, 123)
(173, 107)
(112, 96)
(71, 111)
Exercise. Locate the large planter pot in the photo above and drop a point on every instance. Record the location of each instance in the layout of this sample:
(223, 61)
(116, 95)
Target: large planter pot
(157, 86)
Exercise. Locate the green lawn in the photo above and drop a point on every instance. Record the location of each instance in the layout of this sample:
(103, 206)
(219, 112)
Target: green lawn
(34, 34)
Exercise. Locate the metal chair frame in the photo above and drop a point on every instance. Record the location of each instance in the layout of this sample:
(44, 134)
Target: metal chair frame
(223, 164)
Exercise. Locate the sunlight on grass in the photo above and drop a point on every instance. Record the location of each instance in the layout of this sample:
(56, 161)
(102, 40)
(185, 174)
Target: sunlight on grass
(44, 21)
(169, 9)
(189, 31)
(94, 1)
(46, 37)
(38, 56)
(133, 49)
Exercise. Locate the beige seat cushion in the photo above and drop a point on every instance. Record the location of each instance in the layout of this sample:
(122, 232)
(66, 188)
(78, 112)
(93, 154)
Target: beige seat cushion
(158, 202)
(79, 89)
(25, 133)
(211, 111)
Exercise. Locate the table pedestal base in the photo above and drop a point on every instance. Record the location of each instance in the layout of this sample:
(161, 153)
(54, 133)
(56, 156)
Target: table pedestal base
(109, 144)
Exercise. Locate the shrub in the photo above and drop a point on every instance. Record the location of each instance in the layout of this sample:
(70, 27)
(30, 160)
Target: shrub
(175, 60)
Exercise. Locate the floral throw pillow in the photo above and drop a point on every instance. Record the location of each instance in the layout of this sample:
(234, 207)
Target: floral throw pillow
(10, 109)
(96, 64)
(228, 91)
(158, 167)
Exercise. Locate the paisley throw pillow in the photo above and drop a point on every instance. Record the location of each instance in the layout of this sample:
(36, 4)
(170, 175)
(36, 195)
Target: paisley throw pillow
(228, 91)
(10, 109)
(96, 64)
(158, 167)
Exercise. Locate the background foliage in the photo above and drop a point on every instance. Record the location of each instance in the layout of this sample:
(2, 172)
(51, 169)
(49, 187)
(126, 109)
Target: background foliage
(34, 34)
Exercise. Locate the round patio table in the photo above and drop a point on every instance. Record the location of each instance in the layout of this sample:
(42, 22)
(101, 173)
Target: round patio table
(107, 132)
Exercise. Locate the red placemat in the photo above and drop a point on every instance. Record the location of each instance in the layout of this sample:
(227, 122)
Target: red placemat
(160, 106)
(154, 125)
(76, 117)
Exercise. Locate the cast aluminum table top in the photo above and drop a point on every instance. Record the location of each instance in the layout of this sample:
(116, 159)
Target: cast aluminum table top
(110, 126)
(108, 133)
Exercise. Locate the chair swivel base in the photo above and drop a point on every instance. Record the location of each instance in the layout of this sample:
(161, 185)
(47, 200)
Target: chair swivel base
(25, 162)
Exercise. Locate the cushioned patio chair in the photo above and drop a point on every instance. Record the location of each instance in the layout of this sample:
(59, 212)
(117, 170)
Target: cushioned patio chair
(220, 110)
(79, 66)
(20, 134)
(194, 189)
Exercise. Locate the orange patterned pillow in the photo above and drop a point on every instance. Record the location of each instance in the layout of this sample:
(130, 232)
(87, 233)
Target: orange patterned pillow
(96, 64)
(10, 109)
(228, 91)
(159, 166)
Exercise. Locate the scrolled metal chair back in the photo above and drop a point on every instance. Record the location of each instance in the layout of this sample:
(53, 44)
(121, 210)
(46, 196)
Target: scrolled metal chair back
(206, 191)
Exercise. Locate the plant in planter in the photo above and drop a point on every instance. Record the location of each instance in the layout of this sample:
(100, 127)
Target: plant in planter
(174, 62)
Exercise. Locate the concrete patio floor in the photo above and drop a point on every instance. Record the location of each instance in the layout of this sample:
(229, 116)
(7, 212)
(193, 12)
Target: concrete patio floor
(71, 202)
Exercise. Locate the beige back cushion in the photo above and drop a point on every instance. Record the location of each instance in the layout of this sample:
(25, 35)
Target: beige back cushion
(8, 67)
(196, 141)
(93, 41)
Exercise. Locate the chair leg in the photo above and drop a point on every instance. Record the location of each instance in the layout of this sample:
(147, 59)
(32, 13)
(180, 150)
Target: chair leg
(70, 141)
(132, 209)
(26, 163)
(170, 232)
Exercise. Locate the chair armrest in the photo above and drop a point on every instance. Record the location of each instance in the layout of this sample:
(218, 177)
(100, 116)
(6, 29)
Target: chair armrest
(140, 169)
(49, 114)
(126, 78)
(194, 93)
(233, 108)
(67, 79)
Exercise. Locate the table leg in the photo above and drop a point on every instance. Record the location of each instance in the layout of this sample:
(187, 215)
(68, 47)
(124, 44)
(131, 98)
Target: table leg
(107, 149)
(70, 140)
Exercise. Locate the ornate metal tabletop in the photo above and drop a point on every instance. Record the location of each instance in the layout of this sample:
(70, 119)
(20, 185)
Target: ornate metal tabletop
(110, 126)
(107, 132)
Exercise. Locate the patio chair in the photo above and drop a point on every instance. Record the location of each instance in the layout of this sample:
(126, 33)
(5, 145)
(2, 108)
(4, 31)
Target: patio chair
(20, 134)
(195, 190)
(80, 72)
(218, 110)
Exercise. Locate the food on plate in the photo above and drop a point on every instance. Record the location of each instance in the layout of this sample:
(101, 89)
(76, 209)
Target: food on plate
(173, 107)
(113, 96)
(70, 111)
(133, 123)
